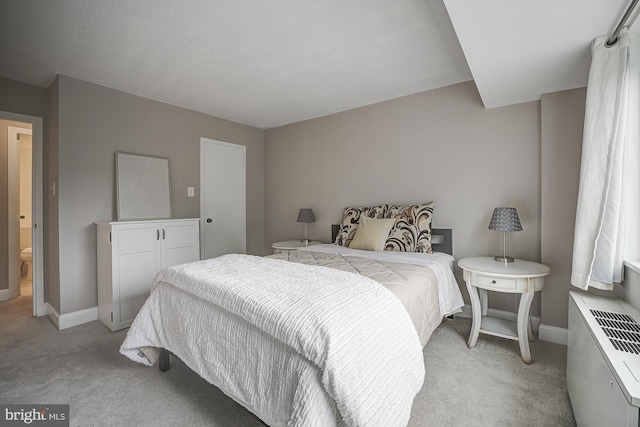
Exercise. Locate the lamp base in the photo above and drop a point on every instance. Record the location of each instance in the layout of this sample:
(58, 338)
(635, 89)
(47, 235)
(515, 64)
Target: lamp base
(305, 241)
(504, 259)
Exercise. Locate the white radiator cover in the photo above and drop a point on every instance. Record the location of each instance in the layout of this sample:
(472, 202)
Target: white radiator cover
(603, 382)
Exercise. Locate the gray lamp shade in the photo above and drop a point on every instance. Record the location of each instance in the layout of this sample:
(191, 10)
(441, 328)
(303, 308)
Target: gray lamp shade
(306, 215)
(505, 219)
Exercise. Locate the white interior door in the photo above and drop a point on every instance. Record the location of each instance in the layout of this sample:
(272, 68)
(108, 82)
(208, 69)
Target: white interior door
(222, 198)
(13, 207)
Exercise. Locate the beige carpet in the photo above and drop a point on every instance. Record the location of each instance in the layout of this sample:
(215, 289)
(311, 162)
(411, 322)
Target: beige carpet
(485, 386)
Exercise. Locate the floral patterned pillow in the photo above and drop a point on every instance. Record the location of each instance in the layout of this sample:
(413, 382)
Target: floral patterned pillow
(351, 219)
(411, 231)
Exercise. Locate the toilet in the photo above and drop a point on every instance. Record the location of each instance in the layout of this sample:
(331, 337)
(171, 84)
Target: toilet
(27, 256)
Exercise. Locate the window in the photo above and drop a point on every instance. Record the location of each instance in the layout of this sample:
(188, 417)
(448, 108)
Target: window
(632, 240)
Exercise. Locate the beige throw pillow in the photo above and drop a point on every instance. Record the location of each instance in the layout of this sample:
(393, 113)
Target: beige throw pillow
(372, 234)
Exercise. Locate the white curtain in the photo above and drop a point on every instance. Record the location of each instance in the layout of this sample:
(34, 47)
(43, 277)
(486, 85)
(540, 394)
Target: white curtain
(599, 229)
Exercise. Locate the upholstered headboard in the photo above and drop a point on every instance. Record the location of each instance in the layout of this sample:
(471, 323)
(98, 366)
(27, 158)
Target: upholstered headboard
(441, 238)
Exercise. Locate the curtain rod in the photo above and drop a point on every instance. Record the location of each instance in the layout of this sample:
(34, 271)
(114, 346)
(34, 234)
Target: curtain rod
(614, 37)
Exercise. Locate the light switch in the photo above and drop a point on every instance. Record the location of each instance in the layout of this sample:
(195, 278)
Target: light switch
(190, 192)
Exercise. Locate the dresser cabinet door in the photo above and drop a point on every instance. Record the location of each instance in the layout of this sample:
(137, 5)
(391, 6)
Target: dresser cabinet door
(180, 242)
(138, 259)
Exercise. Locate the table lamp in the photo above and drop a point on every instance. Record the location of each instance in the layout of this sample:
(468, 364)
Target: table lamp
(505, 219)
(305, 216)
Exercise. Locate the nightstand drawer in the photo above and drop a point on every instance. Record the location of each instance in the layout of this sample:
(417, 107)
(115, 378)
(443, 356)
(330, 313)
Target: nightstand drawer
(496, 282)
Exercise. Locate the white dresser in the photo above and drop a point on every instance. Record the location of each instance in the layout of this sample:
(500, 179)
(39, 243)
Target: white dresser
(130, 253)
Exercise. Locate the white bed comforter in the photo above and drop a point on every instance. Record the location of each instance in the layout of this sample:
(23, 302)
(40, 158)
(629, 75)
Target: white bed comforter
(366, 374)
(449, 296)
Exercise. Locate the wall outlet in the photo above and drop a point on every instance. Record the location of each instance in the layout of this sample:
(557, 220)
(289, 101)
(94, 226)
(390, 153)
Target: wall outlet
(191, 192)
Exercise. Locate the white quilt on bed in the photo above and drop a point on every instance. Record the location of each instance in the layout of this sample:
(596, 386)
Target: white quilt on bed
(415, 286)
(449, 296)
(371, 370)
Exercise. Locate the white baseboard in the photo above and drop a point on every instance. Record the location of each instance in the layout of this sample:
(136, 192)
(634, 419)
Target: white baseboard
(69, 320)
(4, 294)
(54, 316)
(553, 334)
(545, 332)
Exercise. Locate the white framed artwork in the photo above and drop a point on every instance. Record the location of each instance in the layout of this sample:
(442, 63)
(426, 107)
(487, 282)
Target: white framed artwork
(142, 187)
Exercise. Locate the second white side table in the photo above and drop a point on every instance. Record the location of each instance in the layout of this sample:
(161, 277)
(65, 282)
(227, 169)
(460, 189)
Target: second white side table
(483, 274)
(291, 245)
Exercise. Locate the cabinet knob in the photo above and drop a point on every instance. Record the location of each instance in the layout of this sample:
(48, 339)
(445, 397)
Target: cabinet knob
(493, 281)
(209, 220)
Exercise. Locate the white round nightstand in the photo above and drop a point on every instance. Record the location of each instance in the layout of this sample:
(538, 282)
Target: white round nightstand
(292, 245)
(483, 274)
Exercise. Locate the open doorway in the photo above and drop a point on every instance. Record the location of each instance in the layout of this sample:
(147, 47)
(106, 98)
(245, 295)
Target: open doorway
(23, 224)
(20, 168)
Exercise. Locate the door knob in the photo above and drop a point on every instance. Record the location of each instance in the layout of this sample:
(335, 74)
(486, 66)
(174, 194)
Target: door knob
(209, 220)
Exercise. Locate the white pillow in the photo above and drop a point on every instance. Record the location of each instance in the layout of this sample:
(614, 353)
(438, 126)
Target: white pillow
(372, 234)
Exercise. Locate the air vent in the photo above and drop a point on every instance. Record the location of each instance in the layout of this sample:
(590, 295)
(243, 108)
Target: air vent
(622, 330)
(626, 326)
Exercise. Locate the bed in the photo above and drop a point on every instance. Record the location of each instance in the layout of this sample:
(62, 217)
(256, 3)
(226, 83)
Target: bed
(308, 338)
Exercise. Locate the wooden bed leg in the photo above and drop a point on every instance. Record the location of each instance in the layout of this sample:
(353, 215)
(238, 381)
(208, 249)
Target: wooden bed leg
(163, 363)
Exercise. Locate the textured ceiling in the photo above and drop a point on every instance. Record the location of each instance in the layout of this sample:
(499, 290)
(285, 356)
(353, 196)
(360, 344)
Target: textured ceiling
(262, 63)
(275, 62)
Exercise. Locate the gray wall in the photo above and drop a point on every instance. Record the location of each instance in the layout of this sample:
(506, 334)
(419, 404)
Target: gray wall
(24, 99)
(51, 233)
(441, 145)
(94, 122)
(562, 123)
